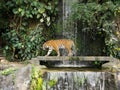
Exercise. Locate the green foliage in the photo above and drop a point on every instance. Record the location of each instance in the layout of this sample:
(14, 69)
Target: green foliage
(34, 9)
(25, 47)
(8, 71)
(36, 80)
(52, 83)
(97, 64)
(26, 27)
(97, 20)
(81, 81)
(94, 16)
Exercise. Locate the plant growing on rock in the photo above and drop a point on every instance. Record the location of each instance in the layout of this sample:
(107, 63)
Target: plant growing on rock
(8, 71)
(36, 79)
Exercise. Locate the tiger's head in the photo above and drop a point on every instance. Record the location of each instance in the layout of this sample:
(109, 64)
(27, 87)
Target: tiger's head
(45, 46)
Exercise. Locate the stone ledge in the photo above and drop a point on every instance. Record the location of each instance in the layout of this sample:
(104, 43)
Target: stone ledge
(73, 61)
(81, 58)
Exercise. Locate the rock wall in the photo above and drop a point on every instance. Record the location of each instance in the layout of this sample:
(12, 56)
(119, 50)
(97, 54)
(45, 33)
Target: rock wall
(18, 80)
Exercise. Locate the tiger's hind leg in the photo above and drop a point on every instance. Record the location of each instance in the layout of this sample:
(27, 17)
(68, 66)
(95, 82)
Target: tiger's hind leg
(69, 52)
(57, 51)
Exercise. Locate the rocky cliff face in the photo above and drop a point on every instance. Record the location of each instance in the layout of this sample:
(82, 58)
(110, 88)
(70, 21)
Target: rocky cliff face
(13, 77)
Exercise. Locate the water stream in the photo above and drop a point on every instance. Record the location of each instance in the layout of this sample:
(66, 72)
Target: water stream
(79, 80)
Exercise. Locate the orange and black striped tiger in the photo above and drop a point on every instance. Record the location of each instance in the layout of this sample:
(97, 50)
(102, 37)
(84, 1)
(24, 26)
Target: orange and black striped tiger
(57, 44)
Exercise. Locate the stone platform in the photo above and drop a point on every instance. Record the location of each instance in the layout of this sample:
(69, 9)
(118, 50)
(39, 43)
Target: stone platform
(73, 61)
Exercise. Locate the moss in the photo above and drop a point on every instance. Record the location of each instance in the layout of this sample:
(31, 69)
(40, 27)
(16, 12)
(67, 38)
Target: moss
(52, 83)
(8, 71)
(75, 58)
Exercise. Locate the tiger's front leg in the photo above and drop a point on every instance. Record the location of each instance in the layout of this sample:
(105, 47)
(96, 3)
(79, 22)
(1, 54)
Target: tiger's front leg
(49, 51)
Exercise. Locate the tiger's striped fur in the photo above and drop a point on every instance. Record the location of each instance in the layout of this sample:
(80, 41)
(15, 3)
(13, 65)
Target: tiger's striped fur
(57, 44)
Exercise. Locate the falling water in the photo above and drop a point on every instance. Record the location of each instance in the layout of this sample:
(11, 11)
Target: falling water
(79, 81)
(86, 46)
(69, 27)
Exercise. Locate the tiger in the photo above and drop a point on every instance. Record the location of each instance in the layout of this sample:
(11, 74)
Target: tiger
(57, 44)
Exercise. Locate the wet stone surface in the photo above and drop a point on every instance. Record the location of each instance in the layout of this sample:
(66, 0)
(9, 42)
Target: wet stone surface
(80, 81)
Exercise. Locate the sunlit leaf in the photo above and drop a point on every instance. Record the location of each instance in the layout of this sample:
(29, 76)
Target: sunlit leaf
(41, 10)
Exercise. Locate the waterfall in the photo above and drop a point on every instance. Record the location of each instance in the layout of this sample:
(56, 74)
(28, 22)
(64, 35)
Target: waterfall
(69, 27)
(79, 81)
(85, 45)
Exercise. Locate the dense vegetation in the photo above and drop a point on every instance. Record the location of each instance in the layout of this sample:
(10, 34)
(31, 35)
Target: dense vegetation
(101, 19)
(26, 24)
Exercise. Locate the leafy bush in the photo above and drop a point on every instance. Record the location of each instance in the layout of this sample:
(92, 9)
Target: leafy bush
(94, 17)
(24, 48)
(98, 20)
(28, 24)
